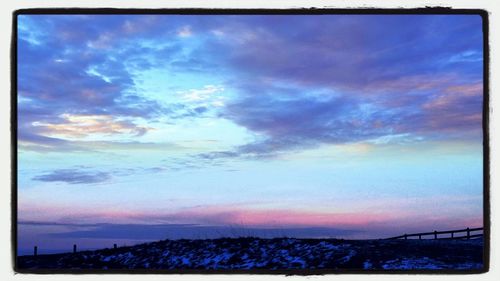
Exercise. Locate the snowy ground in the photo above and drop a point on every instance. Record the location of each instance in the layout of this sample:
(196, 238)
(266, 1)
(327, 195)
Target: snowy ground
(273, 254)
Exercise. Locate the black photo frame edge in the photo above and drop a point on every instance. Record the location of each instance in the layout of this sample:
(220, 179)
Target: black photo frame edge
(295, 11)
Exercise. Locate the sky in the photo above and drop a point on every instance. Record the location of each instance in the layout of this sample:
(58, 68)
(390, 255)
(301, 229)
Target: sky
(144, 127)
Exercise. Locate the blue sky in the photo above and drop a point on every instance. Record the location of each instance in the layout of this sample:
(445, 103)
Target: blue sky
(369, 124)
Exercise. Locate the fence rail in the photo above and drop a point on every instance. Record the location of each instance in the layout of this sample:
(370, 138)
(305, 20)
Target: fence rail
(35, 249)
(466, 234)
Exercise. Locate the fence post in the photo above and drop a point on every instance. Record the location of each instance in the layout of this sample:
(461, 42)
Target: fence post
(406, 237)
(435, 235)
(114, 246)
(420, 237)
(35, 251)
(74, 248)
(468, 233)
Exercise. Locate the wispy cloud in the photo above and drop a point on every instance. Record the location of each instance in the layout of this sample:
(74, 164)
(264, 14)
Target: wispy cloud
(74, 176)
(85, 125)
(42, 144)
(185, 31)
(202, 94)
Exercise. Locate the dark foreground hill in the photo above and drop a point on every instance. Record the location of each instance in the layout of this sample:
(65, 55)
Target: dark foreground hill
(274, 254)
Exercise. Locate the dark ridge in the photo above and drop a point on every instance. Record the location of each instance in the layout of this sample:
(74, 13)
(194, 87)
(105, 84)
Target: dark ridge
(248, 253)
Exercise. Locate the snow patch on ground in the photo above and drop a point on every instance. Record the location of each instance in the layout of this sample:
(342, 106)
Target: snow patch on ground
(416, 263)
(367, 265)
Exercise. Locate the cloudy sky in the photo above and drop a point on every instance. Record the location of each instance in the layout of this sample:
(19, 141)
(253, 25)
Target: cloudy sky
(328, 125)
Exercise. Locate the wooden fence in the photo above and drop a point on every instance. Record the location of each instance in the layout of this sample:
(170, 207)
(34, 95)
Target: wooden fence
(35, 249)
(467, 233)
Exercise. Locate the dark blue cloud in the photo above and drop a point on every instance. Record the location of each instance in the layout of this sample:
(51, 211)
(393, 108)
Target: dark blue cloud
(292, 118)
(382, 73)
(64, 68)
(359, 52)
(74, 176)
(61, 82)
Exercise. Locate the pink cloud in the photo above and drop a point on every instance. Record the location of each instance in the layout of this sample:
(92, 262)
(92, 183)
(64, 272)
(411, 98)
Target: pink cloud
(454, 96)
(372, 224)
